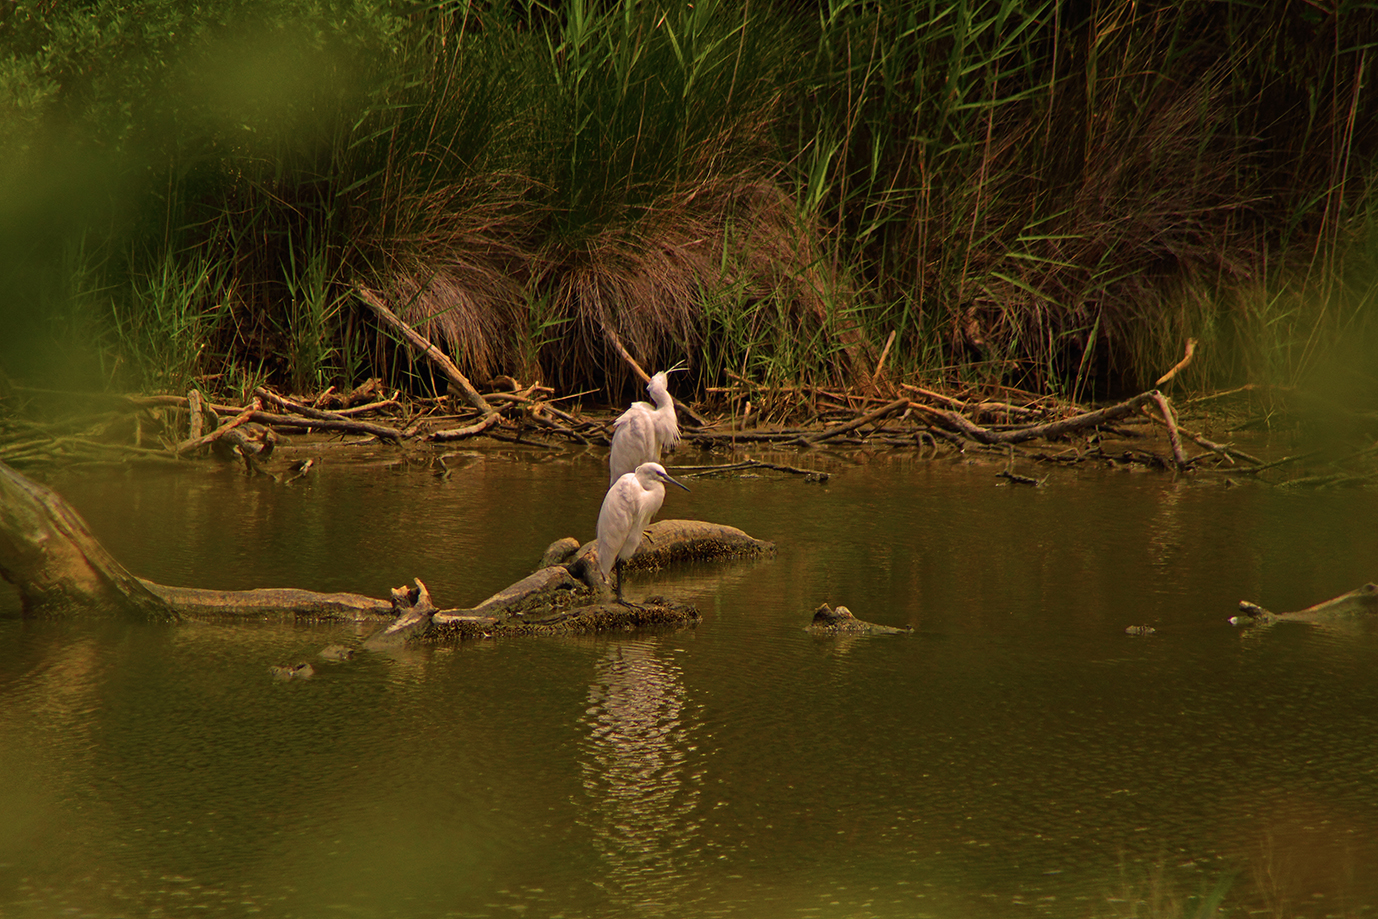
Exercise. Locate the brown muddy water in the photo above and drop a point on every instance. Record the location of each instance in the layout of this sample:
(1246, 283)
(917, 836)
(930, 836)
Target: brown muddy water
(1017, 754)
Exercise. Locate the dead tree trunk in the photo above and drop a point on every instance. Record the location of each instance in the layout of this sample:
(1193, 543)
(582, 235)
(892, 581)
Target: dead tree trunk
(47, 551)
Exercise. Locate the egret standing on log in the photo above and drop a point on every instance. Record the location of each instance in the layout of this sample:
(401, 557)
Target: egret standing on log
(642, 431)
(628, 506)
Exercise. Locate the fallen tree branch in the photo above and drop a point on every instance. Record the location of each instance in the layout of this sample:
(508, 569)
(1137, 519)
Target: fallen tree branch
(367, 407)
(1171, 422)
(196, 443)
(1227, 451)
(979, 408)
(296, 408)
(1180, 365)
(698, 471)
(858, 422)
(347, 425)
(437, 357)
(955, 422)
(469, 431)
(536, 412)
(884, 353)
(197, 421)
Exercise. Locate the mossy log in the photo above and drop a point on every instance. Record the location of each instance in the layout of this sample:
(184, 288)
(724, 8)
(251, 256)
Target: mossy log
(60, 568)
(1362, 601)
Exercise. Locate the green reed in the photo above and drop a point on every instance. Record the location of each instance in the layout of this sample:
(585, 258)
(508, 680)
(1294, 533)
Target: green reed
(1023, 194)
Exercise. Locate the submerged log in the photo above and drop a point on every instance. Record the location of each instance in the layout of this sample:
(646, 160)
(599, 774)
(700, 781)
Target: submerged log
(1362, 601)
(540, 590)
(830, 620)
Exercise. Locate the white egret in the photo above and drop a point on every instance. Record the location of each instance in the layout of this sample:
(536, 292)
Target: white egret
(641, 432)
(629, 505)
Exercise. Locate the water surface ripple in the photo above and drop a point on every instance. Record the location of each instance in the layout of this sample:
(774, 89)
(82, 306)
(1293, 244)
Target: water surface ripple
(1017, 753)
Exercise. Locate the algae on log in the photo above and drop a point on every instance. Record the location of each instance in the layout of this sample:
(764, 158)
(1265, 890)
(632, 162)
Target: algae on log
(1362, 601)
(48, 552)
(521, 611)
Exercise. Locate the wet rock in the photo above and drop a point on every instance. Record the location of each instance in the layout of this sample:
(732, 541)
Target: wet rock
(1139, 630)
(336, 653)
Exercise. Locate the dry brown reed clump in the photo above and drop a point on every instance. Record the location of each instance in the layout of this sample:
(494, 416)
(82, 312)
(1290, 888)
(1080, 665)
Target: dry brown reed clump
(476, 268)
(457, 265)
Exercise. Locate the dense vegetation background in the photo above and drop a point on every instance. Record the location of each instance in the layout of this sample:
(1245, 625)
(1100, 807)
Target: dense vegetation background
(1049, 195)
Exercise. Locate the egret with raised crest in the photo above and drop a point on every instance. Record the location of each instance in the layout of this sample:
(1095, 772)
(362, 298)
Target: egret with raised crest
(641, 432)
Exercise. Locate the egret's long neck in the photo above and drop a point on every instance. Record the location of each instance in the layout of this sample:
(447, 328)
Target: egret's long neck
(661, 396)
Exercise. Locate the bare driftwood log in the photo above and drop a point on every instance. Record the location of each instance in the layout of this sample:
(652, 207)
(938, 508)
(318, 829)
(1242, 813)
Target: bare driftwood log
(1362, 601)
(414, 611)
(667, 542)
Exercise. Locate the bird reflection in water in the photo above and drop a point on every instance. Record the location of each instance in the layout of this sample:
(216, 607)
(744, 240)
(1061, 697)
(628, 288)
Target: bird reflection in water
(640, 777)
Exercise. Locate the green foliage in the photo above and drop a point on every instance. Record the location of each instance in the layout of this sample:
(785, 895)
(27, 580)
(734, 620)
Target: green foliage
(1025, 192)
(164, 328)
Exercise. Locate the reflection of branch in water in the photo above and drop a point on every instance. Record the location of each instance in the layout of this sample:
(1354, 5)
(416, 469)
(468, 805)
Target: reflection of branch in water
(637, 776)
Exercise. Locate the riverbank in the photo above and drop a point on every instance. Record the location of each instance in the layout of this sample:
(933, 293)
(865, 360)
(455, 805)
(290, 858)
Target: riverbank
(1274, 436)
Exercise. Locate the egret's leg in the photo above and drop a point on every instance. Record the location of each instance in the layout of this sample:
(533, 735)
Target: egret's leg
(617, 567)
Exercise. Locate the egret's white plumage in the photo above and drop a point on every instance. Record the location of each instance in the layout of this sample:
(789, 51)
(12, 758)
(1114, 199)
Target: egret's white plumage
(641, 432)
(629, 505)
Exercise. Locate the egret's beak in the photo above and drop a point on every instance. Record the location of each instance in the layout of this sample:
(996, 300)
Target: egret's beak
(673, 482)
